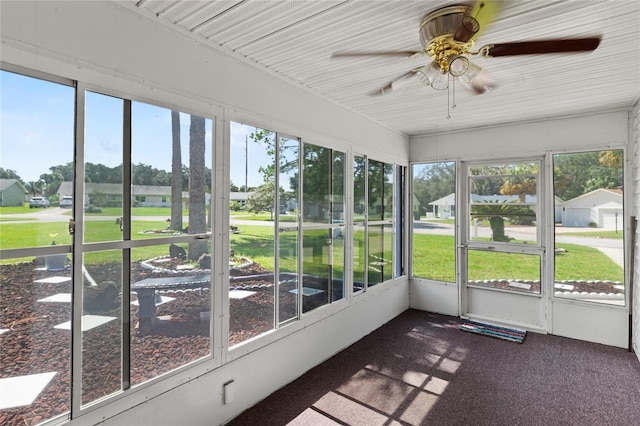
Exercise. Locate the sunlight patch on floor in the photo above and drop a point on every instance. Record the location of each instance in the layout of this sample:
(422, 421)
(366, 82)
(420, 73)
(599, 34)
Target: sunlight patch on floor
(88, 322)
(349, 411)
(22, 390)
(57, 298)
(53, 280)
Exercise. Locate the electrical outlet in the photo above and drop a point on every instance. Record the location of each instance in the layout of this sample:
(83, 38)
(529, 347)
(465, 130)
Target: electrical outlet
(229, 392)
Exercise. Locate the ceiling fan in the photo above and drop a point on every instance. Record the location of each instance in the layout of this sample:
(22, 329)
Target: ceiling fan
(447, 36)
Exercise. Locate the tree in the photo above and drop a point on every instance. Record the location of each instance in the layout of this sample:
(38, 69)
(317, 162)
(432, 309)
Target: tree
(316, 186)
(262, 199)
(266, 138)
(576, 174)
(522, 181)
(611, 158)
(10, 174)
(99, 173)
(496, 212)
(34, 187)
(434, 181)
(50, 183)
(176, 173)
(197, 185)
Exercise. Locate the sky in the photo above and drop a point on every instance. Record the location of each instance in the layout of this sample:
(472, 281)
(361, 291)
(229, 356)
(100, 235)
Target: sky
(37, 132)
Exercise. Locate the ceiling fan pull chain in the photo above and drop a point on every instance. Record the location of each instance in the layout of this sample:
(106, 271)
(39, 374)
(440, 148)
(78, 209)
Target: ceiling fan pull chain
(448, 101)
(453, 83)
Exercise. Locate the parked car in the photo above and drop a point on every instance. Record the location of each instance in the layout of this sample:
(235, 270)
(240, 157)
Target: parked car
(66, 202)
(36, 202)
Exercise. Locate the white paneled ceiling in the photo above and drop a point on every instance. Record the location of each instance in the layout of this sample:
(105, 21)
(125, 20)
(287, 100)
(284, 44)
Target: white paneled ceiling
(296, 38)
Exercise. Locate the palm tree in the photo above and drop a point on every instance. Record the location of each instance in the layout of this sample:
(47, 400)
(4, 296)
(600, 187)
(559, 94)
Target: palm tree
(34, 187)
(197, 185)
(495, 212)
(176, 173)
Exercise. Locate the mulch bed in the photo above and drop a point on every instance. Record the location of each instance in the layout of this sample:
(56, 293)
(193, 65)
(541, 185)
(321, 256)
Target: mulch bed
(578, 286)
(181, 335)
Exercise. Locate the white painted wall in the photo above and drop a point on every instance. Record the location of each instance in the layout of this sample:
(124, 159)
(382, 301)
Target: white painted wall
(524, 139)
(634, 136)
(104, 44)
(434, 296)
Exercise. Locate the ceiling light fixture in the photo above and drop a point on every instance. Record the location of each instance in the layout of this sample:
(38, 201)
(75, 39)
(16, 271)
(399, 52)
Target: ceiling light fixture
(447, 36)
(448, 52)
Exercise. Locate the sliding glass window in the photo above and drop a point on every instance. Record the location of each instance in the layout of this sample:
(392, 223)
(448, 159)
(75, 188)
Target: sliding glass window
(293, 233)
(255, 237)
(37, 146)
(89, 239)
(322, 224)
(374, 241)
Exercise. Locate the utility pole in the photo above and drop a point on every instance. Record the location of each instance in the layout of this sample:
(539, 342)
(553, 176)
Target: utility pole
(246, 163)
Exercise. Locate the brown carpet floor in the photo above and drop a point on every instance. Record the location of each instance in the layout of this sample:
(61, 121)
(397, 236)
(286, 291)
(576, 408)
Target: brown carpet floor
(420, 369)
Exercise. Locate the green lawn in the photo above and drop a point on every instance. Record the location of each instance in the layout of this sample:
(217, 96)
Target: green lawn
(137, 211)
(434, 259)
(257, 243)
(20, 209)
(433, 254)
(586, 263)
(597, 234)
(38, 234)
(262, 217)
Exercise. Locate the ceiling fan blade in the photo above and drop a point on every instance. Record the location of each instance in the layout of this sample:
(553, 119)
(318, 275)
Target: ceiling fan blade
(403, 53)
(482, 83)
(391, 85)
(541, 46)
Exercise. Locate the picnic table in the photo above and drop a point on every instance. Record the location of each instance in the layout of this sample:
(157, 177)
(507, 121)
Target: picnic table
(146, 290)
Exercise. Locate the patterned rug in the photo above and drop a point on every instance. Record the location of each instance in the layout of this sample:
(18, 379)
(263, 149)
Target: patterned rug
(505, 333)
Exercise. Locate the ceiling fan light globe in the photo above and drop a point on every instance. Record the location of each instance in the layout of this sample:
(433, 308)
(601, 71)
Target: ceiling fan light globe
(423, 76)
(458, 65)
(472, 72)
(441, 80)
(428, 73)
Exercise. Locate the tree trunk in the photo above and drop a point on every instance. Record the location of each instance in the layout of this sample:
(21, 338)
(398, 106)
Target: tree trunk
(176, 173)
(197, 185)
(497, 228)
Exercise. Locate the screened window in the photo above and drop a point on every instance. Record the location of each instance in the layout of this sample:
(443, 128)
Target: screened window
(503, 239)
(503, 197)
(434, 221)
(589, 231)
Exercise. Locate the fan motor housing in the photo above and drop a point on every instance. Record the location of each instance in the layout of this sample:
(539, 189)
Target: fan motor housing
(441, 22)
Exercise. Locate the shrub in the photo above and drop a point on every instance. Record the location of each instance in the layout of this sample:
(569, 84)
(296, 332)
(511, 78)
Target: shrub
(92, 209)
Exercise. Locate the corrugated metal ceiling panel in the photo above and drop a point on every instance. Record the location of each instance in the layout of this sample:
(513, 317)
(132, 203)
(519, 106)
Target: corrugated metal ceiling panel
(295, 39)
